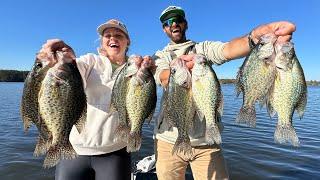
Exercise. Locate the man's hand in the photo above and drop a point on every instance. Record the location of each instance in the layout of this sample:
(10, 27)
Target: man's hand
(188, 59)
(282, 29)
(150, 61)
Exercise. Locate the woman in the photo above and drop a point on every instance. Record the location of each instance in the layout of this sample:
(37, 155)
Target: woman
(101, 156)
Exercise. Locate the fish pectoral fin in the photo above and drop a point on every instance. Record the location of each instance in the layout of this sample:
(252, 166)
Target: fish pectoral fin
(200, 114)
(82, 119)
(42, 146)
(301, 106)
(80, 124)
(149, 118)
(270, 110)
(26, 124)
(112, 108)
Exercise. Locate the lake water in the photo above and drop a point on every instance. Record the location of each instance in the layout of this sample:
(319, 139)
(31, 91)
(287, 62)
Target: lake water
(250, 152)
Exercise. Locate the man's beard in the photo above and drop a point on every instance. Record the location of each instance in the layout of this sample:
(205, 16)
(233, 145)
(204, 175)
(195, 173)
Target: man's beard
(178, 39)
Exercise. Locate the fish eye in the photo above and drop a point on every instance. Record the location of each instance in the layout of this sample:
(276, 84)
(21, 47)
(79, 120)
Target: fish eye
(173, 70)
(39, 65)
(291, 54)
(266, 58)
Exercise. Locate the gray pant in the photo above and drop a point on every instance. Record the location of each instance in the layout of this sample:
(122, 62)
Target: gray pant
(111, 166)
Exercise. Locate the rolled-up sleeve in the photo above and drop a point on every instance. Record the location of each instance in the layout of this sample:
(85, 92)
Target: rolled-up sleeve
(162, 61)
(213, 50)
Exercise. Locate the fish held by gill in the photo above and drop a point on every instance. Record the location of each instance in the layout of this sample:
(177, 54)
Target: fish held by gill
(140, 103)
(29, 107)
(208, 98)
(179, 107)
(255, 78)
(289, 93)
(62, 104)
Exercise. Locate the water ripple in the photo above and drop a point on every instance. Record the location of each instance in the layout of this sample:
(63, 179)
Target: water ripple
(251, 153)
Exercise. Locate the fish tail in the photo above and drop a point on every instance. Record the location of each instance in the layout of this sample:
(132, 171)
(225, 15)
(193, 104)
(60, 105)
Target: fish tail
(134, 141)
(220, 126)
(122, 132)
(58, 152)
(213, 134)
(42, 147)
(286, 133)
(247, 115)
(182, 145)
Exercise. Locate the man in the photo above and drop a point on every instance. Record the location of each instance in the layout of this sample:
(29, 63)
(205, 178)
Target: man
(206, 161)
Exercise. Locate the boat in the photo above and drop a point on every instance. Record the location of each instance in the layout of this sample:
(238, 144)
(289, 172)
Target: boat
(145, 169)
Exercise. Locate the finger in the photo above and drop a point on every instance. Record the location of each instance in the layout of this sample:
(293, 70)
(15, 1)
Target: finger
(69, 52)
(50, 42)
(188, 57)
(286, 38)
(137, 60)
(284, 28)
(68, 55)
(55, 45)
(147, 57)
(149, 60)
(189, 64)
(41, 55)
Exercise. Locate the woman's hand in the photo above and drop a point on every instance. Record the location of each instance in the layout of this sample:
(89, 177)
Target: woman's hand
(49, 49)
(189, 60)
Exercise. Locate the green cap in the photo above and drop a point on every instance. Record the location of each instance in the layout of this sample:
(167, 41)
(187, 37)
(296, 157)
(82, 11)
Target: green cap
(171, 11)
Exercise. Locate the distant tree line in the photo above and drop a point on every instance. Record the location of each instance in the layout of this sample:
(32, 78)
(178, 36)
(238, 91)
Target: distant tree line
(20, 76)
(233, 81)
(227, 81)
(313, 83)
(13, 75)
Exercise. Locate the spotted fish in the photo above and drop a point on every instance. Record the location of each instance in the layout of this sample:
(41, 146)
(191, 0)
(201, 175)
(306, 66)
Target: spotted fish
(255, 78)
(141, 101)
(208, 98)
(29, 107)
(289, 93)
(179, 107)
(62, 104)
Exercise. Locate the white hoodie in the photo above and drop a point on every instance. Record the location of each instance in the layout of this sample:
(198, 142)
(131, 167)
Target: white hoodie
(97, 137)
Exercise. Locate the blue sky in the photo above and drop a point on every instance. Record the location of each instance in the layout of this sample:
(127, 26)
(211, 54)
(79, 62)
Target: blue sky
(27, 24)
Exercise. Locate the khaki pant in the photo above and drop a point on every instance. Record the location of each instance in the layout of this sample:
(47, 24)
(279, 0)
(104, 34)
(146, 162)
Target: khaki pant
(206, 162)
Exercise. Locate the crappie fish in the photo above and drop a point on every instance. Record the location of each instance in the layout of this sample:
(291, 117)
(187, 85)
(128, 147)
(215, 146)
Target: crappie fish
(289, 93)
(29, 108)
(178, 107)
(255, 78)
(208, 98)
(62, 104)
(141, 101)
(118, 98)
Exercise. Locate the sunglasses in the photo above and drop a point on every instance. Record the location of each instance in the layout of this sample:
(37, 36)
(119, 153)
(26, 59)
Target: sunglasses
(170, 21)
